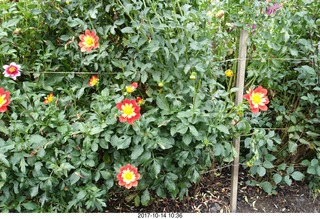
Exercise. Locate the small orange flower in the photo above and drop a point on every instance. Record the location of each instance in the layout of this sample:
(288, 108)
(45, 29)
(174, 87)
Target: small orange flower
(257, 99)
(49, 98)
(89, 41)
(229, 73)
(139, 100)
(4, 100)
(130, 111)
(132, 87)
(128, 176)
(93, 80)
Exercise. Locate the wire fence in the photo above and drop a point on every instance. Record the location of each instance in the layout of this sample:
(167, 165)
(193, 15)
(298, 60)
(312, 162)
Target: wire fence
(221, 61)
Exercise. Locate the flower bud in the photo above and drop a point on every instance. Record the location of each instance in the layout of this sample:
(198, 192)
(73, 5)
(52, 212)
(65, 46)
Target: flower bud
(160, 84)
(220, 14)
(229, 73)
(193, 76)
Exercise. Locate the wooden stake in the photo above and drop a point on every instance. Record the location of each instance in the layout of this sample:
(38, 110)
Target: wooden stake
(239, 98)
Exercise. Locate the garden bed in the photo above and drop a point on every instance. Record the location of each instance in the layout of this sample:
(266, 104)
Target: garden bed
(212, 195)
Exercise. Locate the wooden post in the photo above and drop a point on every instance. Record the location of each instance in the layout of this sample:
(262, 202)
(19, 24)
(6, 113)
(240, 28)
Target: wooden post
(239, 98)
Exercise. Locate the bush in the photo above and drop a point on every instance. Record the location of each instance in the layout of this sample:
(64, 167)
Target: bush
(64, 139)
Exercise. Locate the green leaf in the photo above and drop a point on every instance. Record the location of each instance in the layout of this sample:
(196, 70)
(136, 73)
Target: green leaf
(288, 180)
(4, 160)
(74, 178)
(96, 130)
(81, 195)
(223, 128)
(266, 186)
(121, 143)
(29, 206)
(80, 92)
(277, 178)
(296, 175)
(145, 198)
(127, 30)
(165, 143)
(267, 164)
(137, 201)
(193, 130)
(11, 23)
(156, 168)
(4, 130)
(261, 171)
(106, 174)
(187, 139)
(137, 151)
(292, 146)
(162, 103)
(34, 191)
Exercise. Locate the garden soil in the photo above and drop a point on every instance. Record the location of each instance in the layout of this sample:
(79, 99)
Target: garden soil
(212, 195)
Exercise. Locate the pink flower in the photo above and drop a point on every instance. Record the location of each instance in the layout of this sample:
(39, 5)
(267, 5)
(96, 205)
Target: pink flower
(271, 10)
(12, 70)
(258, 99)
(130, 111)
(128, 176)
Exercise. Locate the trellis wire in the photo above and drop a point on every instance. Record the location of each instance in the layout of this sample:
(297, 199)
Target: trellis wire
(114, 73)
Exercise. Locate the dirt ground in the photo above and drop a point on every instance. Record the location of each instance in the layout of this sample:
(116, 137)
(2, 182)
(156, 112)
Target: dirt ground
(214, 197)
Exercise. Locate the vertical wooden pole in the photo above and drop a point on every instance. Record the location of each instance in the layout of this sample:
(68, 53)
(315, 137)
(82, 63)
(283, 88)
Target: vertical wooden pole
(239, 98)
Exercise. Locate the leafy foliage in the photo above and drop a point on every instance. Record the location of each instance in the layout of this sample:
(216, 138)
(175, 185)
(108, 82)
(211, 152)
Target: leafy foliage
(64, 156)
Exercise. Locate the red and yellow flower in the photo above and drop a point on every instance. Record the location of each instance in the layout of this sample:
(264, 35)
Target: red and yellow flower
(128, 176)
(130, 111)
(139, 100)
(4, 100)
(258, 99)
(12, 70)
(88, 41)
(93, 80)
(131, 88)
(49, 98)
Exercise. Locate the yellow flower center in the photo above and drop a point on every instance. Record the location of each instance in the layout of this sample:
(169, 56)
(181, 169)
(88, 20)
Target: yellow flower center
(94, 81)
(128, 176)
(12, 69)
(128, 110)
(130, 89)
(256, 98)
(89, 41)
(2, 100)
(49, 98)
